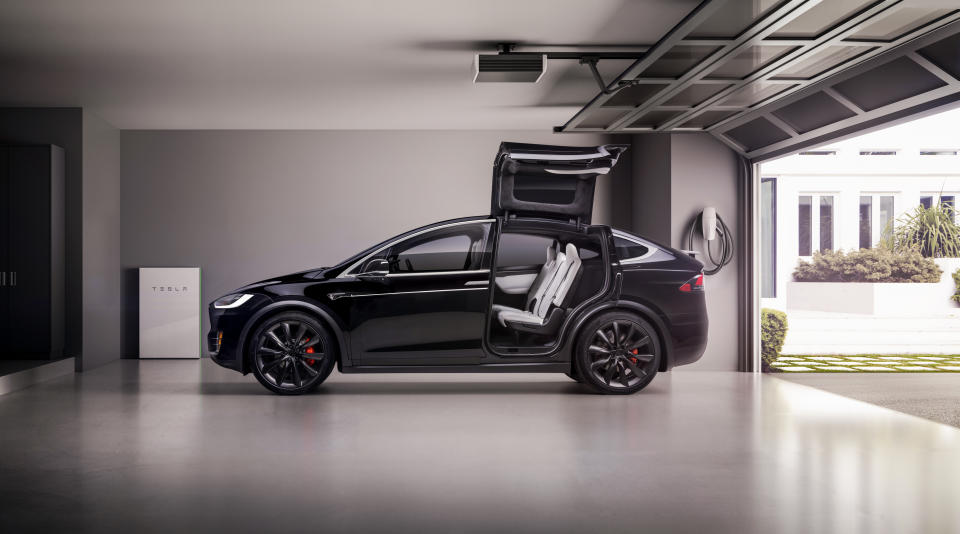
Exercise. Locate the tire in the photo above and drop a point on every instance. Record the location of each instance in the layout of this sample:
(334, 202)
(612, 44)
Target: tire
(291, 353)
(618, 353)
(574, 376)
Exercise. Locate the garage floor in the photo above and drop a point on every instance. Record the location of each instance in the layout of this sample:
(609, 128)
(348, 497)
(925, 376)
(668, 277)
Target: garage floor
(168, 446)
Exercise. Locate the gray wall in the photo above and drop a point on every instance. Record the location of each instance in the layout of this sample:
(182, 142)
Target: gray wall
(247, 205)
(675, 176)
(704, 173)
(62, 127)
(101, 242)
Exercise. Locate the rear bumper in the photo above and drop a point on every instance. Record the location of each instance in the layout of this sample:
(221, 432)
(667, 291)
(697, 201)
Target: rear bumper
(689, 341)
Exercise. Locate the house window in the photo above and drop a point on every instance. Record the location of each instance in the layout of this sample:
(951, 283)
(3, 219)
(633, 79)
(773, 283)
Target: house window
(878, 152)
(806, 222)
(826, 223)
(819, 153)
(817, 229)
(927, 201)
(768, 237)
(939, 152)
(876, 215)
(816, 214)
(866, 221)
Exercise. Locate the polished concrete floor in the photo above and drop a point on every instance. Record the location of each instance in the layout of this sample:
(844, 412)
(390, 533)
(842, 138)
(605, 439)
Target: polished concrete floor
(173, 446)
(934, 396)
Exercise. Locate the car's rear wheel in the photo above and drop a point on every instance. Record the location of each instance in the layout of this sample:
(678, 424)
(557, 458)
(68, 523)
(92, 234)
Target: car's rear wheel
(618, 353)
(292, 353)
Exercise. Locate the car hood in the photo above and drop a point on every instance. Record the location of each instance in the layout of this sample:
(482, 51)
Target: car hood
(301, 276)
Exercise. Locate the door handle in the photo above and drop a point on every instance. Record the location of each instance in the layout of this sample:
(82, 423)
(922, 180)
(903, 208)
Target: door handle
(477, 283)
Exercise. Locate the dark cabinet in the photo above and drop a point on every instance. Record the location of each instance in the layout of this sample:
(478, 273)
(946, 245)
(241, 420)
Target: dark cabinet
(31, 252)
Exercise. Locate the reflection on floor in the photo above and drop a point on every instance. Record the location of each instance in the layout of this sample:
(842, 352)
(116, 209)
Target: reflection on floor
(870, 363)
(185, 446)
(931, 396)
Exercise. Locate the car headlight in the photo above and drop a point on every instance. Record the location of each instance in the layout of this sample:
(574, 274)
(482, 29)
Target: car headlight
(232, 301)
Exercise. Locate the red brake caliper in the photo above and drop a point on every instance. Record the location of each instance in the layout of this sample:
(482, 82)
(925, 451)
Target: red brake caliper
(635, 351)
(309, 350)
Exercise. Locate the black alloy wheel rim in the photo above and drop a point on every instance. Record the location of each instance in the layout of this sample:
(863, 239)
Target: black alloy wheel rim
(290, 354)
(622, 354)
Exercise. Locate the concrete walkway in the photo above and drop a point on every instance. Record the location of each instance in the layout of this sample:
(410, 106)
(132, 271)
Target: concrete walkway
(934, 396)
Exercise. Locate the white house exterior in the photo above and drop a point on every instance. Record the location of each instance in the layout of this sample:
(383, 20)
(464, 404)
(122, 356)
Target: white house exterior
(841, 196)
(824, 196)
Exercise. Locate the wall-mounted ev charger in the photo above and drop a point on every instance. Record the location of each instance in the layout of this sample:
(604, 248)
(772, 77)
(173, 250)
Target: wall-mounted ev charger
(712, 230)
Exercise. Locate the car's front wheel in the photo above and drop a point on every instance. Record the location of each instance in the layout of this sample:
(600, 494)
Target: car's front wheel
(618, 352)
(292, 353)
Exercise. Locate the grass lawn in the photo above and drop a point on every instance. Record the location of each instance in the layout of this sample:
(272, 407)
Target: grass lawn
(869, 363)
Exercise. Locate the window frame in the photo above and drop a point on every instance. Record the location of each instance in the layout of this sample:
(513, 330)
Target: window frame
(352, 271)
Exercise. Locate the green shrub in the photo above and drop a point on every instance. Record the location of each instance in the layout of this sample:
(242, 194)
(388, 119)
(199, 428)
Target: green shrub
(931, 231)
(956, 282)
(773, 330)
(868, 265)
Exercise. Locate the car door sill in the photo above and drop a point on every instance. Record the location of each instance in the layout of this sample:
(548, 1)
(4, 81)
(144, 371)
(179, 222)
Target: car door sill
(540, 367)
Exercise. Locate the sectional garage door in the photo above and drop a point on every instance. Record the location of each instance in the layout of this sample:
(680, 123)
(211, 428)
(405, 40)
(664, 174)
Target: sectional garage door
(769, 78)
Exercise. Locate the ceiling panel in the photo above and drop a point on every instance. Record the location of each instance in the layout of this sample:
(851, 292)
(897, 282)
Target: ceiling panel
(822, 17)
(695, 94)
(756, 93)
(748, 61)
(822, 61)
(757, 133)
(678, 60)
(733, 18)
(707, 119)
(812, 112)
(945, 54)
(654, 118)
(891, 82)
(899, 22)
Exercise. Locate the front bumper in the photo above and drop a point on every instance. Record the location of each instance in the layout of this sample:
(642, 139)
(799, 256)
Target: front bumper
(227, 327)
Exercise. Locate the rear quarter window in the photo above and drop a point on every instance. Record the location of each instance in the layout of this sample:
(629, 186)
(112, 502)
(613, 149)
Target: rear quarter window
(627, 249)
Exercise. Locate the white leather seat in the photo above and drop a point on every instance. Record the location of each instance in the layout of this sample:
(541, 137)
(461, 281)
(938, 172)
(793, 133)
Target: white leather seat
(555, 284)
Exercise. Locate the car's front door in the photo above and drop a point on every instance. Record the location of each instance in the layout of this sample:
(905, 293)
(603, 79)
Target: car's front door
(423, 300)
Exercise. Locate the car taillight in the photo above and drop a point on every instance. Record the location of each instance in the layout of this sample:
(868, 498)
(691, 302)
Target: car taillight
(693, 284)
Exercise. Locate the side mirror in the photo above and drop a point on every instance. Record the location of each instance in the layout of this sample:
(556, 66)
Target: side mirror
(375, 268)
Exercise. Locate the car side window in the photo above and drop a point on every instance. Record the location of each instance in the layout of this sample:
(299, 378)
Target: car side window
(522, 250)
(627, 249)
(457, 248)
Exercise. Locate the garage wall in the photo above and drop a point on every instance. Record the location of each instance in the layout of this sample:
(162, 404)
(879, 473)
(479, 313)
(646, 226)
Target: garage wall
(675, 176)
(247, 205)
(101, 242)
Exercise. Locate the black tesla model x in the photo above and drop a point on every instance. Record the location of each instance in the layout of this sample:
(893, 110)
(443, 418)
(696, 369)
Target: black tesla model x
(532, 287)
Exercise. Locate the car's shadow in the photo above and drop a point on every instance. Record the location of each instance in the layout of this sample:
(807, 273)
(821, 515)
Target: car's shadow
(448, 388)
(408, 388)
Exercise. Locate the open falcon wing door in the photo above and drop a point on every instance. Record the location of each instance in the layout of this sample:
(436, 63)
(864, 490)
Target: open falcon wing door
(547, 180)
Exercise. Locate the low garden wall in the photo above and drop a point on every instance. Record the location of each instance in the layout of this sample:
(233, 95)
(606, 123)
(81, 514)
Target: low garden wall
(903, 299)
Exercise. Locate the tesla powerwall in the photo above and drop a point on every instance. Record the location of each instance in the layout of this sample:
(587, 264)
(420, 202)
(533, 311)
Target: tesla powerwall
(170, 312)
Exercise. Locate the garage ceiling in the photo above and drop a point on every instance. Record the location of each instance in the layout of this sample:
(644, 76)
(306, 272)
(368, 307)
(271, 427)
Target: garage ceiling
(764, 76)
(331, 64)
(770, 76)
